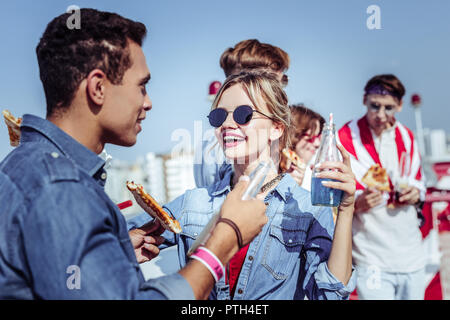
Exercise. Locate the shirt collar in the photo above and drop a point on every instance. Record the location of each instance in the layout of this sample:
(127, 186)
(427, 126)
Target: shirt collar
(285, 187)
(222, 185)
(72, 149)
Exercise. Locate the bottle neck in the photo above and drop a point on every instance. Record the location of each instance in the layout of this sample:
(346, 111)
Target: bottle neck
(328, 149)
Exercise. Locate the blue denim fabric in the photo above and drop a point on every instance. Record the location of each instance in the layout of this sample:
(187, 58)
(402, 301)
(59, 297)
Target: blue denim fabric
(61, 237)
(287, 260)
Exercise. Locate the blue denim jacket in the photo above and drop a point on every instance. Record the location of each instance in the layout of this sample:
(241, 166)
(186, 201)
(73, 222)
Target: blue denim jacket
(61, 237)
(287, 260)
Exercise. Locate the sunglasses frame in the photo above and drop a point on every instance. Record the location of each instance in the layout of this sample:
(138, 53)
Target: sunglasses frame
(234, 119)
(311, 139)
(377, 108)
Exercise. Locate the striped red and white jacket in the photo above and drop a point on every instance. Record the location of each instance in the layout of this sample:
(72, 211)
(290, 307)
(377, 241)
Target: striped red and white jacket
(356, 137)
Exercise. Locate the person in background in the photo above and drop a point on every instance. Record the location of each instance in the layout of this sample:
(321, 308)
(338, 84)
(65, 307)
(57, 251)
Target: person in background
(387, 243)
(305, 135)
(245, 55)
(61, 236)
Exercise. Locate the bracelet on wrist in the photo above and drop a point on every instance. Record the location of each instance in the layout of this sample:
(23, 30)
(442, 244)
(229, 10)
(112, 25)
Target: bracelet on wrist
(210, 261)
(235, 228)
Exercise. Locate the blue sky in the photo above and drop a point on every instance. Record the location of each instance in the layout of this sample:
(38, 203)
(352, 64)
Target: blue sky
(332, 52)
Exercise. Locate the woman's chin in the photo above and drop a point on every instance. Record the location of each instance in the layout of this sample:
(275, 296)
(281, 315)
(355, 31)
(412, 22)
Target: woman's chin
(242, 158)
(236, 159)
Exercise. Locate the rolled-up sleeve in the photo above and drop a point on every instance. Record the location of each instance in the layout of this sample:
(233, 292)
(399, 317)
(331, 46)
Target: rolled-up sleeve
(172, 287)
(330, 285)
(318, 282)
(75, 251)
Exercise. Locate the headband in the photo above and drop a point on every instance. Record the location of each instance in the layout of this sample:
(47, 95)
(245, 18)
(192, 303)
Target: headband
(378, 89)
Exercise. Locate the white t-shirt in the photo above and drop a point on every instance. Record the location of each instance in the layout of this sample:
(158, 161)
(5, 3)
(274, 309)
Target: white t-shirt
(389, 239)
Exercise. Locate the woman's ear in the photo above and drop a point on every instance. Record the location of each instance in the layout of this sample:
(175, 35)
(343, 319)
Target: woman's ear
(95, 86)
(276, 131)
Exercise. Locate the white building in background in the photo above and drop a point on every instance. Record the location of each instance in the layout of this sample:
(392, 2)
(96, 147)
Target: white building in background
(164, 177)
(435, 143)
(156, 182)
(179, 175)
(118, 174)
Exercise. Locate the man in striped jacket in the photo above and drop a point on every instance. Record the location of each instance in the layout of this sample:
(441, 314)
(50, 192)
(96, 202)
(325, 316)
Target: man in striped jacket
(387, 243)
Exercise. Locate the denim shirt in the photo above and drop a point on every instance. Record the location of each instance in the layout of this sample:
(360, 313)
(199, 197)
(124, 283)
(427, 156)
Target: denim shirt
(287, 260)
(61, 237)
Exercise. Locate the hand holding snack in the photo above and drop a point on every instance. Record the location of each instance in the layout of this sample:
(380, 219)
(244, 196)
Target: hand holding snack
(293, 165)
(153, 208)
(146, 240)
(297, 173)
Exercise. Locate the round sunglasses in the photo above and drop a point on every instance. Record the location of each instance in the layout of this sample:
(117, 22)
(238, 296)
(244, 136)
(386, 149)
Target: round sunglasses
(241, 115)
(388, 109)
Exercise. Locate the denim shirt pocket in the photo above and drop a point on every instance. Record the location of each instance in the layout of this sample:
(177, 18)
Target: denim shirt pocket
(193, 224)
(282, 250)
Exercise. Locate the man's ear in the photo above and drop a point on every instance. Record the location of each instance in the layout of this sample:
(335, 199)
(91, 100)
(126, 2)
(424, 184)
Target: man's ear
(95, 86)
(400, 106)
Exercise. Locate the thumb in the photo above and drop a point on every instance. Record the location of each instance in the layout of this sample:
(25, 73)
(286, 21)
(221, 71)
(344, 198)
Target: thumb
(151, 226)
(242, 184)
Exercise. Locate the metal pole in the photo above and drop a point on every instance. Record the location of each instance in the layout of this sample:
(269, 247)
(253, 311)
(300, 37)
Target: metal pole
(419, 129)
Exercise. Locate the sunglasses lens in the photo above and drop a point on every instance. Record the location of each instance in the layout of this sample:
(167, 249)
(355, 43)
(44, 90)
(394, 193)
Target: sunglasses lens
(217, 117)
(243, 114)
(374, 107)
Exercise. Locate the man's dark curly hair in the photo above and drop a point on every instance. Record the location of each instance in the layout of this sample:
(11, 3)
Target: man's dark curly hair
(67, 56)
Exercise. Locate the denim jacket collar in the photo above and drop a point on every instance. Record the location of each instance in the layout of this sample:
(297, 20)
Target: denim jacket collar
(82, 156)
(283, 188)
(222, 185)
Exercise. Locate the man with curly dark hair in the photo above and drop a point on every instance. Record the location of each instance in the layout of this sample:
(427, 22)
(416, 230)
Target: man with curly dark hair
(61, 237)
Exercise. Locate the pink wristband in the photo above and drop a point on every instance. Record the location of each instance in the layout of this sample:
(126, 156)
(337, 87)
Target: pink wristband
(210, 261)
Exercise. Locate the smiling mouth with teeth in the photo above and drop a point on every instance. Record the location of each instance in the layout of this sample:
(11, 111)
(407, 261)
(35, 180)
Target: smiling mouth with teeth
(231, 141)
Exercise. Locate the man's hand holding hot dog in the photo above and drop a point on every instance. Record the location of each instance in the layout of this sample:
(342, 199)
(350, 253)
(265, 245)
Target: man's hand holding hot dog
(146, 240)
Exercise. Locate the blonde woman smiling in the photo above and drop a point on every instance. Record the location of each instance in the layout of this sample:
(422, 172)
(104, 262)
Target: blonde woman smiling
(296, 255)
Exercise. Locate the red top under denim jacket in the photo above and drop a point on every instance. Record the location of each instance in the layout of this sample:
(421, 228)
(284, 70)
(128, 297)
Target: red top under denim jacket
(234, 268)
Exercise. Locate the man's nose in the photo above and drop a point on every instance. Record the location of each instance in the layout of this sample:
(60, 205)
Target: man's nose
(147, 103)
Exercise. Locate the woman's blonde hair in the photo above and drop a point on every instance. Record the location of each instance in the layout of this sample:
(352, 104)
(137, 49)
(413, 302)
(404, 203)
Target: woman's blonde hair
(260, 83)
